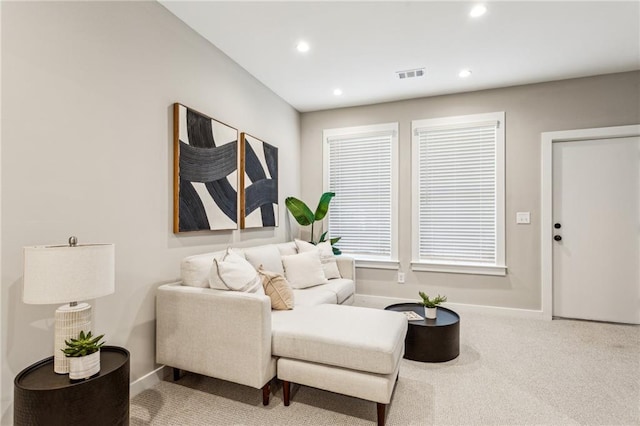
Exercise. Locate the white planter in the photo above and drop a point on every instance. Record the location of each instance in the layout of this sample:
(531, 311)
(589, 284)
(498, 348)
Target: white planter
(430, 313)
(83, 367)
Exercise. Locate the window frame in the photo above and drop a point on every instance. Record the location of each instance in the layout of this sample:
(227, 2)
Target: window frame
(369, 261)
(417, 264)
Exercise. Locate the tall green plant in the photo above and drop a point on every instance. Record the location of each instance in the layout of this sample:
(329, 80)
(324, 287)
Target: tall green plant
(305, 217)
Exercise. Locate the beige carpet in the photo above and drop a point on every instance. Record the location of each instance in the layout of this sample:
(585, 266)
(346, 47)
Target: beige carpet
(509, 372)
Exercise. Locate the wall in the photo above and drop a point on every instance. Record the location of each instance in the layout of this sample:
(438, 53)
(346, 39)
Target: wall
(87, 151)
(608, 100)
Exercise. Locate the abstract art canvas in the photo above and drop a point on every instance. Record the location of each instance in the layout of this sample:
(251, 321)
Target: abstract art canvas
(258, 183)
(205, 177)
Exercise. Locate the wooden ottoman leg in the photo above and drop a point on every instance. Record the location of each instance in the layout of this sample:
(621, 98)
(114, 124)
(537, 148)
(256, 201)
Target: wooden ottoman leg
(266, 391)
(381, 413)
(286, 388)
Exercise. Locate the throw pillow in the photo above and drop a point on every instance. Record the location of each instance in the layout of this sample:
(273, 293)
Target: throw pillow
(231, 272)
(329, 261)
(268, 256)
(304, 269)
(278, 289)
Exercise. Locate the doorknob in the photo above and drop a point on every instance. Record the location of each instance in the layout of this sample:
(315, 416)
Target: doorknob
(557, 226)
(557, 238)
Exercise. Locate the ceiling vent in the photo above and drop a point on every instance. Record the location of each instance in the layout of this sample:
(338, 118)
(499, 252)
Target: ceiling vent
(418, 72)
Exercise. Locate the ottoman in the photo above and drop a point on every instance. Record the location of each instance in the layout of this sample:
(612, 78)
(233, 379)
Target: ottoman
(344, 349)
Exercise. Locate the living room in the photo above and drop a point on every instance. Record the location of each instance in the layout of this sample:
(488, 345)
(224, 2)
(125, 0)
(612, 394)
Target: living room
(87, 149)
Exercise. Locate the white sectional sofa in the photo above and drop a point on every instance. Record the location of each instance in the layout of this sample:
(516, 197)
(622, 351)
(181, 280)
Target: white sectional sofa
(235, 336)
(228, 333)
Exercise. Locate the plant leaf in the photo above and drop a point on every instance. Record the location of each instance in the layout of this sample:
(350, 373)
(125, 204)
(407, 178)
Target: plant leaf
(299, 210)
(323, 205)
(322, 237)
(336, 251)
(95, 340)
(335, 240)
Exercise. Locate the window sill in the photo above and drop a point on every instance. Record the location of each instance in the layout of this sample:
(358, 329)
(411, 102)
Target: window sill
(456, 268)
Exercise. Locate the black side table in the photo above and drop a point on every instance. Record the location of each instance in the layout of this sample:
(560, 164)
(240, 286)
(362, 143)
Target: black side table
(42, 397)
(431, 340)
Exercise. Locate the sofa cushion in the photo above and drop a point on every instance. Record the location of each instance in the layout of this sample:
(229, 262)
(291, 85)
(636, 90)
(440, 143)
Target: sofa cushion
(329, 263)
(363, 339)
(304, 270)
(342, 287)
(231, 271)
(314, 296)
(278, 290)
(267, 255)
(287, 249)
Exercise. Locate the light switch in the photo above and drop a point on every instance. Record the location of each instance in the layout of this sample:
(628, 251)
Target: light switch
(523, 217)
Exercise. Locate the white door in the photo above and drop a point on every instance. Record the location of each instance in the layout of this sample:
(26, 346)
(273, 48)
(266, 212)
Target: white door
(596, 203)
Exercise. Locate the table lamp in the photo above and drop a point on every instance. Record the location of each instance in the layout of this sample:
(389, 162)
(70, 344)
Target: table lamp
(68, 274)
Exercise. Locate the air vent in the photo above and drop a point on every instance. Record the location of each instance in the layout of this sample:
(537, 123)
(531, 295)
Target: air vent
(418, 72)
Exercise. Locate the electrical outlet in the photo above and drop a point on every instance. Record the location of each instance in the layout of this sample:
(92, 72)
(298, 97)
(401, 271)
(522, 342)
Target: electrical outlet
(523, 218)
(401, 277)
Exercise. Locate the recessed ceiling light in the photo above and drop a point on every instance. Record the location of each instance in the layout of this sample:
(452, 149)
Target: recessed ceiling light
(337, 92)
(302, 46)
(464, 73)
(478, 10)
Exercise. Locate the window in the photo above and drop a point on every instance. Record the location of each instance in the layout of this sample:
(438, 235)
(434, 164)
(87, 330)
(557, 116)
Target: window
(458, 194)
(361, 168)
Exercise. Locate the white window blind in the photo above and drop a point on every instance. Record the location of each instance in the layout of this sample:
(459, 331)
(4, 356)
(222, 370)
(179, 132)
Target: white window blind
(359, 169)
(459, 188)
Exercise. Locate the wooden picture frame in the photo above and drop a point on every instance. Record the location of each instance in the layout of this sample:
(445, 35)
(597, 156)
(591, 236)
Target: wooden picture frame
(205, 178)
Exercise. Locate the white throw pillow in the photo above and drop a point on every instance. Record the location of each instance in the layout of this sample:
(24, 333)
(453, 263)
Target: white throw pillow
(268, 256)
(230, 271)
(304, 269)
(329, 261)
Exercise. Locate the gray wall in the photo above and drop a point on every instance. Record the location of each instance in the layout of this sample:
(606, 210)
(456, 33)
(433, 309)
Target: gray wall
(87, 89)
(601, 101)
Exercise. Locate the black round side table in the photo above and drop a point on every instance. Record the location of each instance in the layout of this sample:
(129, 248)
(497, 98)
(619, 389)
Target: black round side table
(42, 397)
(431, 340)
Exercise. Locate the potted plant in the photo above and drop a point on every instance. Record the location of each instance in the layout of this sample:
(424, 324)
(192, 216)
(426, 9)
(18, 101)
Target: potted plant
(305, 217)
(84, 355)
(431, 305)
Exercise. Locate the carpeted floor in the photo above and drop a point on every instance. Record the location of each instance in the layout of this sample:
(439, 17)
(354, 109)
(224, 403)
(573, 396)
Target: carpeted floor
(510, 371)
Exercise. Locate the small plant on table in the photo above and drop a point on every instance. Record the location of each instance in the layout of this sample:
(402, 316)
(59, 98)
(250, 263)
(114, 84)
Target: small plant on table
(431, 304)
(84, 355)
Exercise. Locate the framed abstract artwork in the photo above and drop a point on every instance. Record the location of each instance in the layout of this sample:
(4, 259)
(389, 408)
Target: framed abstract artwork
(205, 178)
(258, 183)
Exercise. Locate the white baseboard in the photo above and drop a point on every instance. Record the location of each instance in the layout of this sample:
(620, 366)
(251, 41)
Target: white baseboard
(147, 381)
(381, 302)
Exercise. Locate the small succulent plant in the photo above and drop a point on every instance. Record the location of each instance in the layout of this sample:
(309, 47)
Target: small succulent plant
(83, 345)
(431, 303)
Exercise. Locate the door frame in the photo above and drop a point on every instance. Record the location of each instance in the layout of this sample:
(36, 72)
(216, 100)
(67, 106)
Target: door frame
(546, 220)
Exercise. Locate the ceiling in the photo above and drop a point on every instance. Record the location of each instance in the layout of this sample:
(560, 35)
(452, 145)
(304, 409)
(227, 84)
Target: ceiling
(358, 46)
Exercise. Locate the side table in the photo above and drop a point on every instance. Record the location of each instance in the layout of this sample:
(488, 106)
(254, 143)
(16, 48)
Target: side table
(43, 397)
(431, 340)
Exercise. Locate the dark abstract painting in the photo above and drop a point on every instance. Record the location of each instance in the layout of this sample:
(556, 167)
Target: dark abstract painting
(259, 183)
(205, 172)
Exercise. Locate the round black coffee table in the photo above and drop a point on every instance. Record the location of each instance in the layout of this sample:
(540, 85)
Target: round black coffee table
(431, 340)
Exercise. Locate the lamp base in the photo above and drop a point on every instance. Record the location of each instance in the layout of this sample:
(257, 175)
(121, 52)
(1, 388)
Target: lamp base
(70, 320)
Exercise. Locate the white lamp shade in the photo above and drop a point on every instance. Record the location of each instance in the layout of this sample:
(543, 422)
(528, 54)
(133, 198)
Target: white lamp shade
(63, 274)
